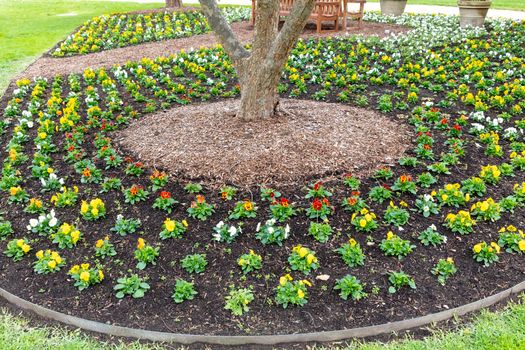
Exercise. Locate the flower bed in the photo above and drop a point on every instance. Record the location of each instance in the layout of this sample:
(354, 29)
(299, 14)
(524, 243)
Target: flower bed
(89, 230)
(118, 30)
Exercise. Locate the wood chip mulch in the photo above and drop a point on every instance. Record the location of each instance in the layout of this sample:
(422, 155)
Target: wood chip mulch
(310, 140)
(48, 66)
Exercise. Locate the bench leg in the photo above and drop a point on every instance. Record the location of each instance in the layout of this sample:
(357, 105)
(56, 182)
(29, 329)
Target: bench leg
(319, 23)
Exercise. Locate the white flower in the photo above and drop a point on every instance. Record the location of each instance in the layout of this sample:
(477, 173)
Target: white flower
(258, 227)
(270, 229)
(32, 223)
(220, 224)
(52, 222)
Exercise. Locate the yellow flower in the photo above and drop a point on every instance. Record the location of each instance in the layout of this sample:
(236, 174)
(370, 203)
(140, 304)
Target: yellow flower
(477, 248)
(310, 258)
(303, 252)
(20, 243)
(26, 248)
(352, 242)
(444, 197)
(184, 223)
(100, 275)
(75, 269)
(362, 223)
(450, 260)
(94, 211)
(66, 228)
(14, 190)
(521, 245)
(51, 264)
(84, 266)
(75, 236)
(390, 235)
(84, 207)
(170, 225)
(99, 243)
(511, 228)
(306, 282)
(84, 276)
(40, 254)
(300, 293)
(495, 246)
(140, 243)
(283, 280)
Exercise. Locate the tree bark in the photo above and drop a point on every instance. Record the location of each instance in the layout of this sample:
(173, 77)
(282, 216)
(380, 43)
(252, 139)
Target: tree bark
(173, 3)
(259, 70)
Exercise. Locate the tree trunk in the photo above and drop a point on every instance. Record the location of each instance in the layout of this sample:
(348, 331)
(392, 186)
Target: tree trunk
(259, 96)
(173, 3)
(259, 70)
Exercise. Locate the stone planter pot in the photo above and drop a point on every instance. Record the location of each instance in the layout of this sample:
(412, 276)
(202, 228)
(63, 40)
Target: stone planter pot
(472, 13)
(393, 7)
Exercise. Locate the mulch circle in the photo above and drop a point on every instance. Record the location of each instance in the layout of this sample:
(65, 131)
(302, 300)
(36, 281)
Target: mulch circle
(309, 140)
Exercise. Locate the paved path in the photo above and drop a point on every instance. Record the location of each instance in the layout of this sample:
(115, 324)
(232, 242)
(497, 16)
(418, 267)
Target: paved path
(374, 6)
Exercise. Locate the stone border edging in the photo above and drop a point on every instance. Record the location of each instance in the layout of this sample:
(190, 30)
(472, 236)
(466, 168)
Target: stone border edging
(325, 336)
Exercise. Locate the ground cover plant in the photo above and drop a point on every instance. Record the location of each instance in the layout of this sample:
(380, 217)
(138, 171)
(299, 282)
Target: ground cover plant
(378, 247)
(117, 30)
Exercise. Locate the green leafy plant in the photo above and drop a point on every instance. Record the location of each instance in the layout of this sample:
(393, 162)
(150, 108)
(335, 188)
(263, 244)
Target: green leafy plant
(444, 269)
(195, 263)
(351, 253)
(132, 285)
(350, 286)
(237, 300)
(249, 262)
(394, 245)
(183, 291)
(398, 280)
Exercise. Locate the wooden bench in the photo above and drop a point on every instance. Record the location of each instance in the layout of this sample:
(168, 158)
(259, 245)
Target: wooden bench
(324, 10)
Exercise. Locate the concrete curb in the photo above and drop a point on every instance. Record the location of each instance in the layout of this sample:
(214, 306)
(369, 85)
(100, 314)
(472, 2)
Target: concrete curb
(326, 336)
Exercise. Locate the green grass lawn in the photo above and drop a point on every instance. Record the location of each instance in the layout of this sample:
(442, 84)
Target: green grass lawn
(496, 4)
(489, 331)
(30, 27)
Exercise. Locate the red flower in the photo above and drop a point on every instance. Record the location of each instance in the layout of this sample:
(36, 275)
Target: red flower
(434, 109)
(444, 121)
(325, 201)
(457, 127)
(351, 201)
(426, 146)
(165, 195)
(316, 204)
(356, 193)
(284, 202)
(317, 185)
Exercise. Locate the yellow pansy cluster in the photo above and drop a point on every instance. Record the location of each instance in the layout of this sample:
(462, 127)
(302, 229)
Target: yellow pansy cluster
(48, 261)
(93, 210)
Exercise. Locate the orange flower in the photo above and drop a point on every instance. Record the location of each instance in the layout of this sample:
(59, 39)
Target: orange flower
(248, 205)
(200, 199)
(86, 172)
(134, 190)
(405, 178)
(165, 195)
(284, 202)
(224, 195)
